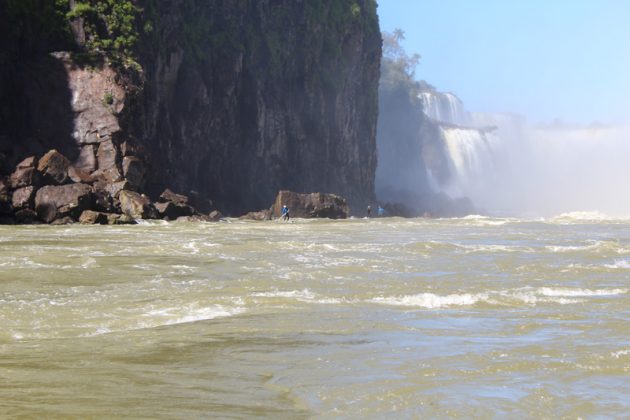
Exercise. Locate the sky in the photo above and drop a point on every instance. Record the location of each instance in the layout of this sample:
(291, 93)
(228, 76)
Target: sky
(548, 60)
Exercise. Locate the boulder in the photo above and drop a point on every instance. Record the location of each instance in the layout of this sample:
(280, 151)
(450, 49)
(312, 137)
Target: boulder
(25, 173)
(90, 217)
(313, 205)
(137, 206)
(169, 195)
(29, 162)
(120, 219)
(257, 215)
(110, 176)
(23, 197)
(53, 202)
(170, 210)
(172, 205)
(66, 220)
(23, 177)
(53, 167)
(26, 216)
(103, 202)
(214, 216)
(113, 189)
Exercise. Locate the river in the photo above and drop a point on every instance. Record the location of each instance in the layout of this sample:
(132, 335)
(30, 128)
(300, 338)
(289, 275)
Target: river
(406, 318)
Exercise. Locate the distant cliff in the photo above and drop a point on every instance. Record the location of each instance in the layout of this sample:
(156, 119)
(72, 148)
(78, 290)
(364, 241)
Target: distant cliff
(233, 100)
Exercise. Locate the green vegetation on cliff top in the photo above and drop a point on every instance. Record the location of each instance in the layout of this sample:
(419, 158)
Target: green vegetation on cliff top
(104, 27)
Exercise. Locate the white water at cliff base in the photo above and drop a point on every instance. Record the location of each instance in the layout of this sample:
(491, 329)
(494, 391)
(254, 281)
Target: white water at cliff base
(380, 318)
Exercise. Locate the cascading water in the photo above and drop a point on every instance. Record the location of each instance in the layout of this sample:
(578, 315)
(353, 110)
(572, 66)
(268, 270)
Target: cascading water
(444, 108)
(471, 154)
(473, 143)
(506, 167)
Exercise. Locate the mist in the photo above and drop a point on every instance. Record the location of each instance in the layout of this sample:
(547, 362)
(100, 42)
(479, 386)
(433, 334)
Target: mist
(559, 169)
(438, 158)
(508, 167)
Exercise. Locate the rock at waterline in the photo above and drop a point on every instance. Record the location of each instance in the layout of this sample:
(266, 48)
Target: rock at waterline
(137, 206)
(54, 202)
(257, 215)
(313, 205)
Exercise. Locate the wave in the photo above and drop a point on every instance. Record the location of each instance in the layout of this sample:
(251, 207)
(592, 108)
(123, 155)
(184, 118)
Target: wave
(526, 295)
(620, 353)
(618, 264)
(304, 295)
(548, 291)
(613, 246)
(496, 248)
(431, 300)
(182, 315)
(480, 220)
(167, 316)
(585, 216)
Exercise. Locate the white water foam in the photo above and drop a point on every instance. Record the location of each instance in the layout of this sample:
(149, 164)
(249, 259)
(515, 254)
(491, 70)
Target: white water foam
(525, 295)
(580, 216)
(618, 264)
(431, 300)
(304, 294)
(496, 248)
(590, 246)
(620, 353)
(172, 316)
(565, 292)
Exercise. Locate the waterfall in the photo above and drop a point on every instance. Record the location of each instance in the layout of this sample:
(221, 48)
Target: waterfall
(444, 108)
(479, 147)
(472, 154)
(506, 167)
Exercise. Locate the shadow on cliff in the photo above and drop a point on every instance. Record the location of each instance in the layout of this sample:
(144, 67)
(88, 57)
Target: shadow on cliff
(35, 110)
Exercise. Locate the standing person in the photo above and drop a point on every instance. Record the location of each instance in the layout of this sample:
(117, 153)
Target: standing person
(285, 213)
(369, 211)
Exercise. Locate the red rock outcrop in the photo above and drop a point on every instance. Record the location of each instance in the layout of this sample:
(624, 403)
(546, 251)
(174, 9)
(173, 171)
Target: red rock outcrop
(313, 205)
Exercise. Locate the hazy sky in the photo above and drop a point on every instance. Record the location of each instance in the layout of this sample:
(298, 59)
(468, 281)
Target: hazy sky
(545, 59)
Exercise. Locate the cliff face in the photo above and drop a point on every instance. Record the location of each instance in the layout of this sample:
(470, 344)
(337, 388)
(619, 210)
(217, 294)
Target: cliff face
(236, 100)
(246, 98)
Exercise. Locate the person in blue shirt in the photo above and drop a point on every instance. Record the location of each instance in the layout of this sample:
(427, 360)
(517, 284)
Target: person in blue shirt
(381, 211)
(285, 213)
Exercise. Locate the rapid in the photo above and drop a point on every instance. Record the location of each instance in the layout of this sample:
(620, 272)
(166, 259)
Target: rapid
(360, 318)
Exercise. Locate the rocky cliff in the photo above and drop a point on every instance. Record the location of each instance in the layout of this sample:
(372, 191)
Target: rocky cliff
(230, 100)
